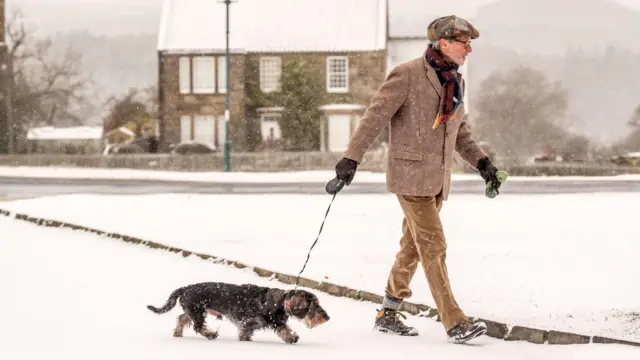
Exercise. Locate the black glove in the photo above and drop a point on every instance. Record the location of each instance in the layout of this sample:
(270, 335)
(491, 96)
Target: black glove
(345, 171)
(488, 172)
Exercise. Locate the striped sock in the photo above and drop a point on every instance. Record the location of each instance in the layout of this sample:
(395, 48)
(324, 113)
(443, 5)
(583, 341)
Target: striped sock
(391, 303)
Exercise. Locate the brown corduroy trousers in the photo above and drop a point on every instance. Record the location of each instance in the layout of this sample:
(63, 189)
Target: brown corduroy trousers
(423, 241)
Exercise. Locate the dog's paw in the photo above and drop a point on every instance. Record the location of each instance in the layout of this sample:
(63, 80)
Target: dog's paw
(293, 338)
(211, 335)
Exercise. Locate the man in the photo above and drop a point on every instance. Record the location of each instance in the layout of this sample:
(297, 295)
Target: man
(421, 102)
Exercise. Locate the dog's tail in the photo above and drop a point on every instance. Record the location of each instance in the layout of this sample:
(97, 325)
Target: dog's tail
(171, 302)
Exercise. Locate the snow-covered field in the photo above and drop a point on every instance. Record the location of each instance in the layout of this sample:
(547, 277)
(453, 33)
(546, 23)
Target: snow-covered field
(74, 296)
(563, 262)
(245, 177)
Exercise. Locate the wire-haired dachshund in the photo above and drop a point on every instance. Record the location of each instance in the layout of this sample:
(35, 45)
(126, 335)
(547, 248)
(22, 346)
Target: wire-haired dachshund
(247, 306)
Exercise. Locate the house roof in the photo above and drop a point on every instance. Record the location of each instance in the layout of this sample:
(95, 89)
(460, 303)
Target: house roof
(273, 25)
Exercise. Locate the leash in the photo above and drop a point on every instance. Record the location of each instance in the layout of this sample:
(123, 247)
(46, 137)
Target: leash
(333, 187)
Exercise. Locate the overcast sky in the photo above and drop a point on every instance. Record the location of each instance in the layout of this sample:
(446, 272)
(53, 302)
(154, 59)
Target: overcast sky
(145, 21)
(460, 6)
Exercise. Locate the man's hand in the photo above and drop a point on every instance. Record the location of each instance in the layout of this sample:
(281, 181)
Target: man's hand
(346, 170)
(488, 172)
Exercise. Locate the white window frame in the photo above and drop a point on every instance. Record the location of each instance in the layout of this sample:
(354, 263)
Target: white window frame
(209, 136)
(204, 74)
(331, 74)
(184, 74)
(186, 128)
(270, 73)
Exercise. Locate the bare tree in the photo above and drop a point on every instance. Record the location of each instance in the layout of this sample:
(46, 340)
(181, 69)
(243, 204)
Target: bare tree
(634, 121)
(631, 142)
(519, 112)
(135, 110)
(47, 88)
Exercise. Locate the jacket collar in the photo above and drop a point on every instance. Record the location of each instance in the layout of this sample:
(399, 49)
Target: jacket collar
(431, 74)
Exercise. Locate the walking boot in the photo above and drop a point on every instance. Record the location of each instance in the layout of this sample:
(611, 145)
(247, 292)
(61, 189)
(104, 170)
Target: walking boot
(387, 321)
(466, 331)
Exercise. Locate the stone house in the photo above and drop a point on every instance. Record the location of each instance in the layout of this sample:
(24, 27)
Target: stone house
(350, 55)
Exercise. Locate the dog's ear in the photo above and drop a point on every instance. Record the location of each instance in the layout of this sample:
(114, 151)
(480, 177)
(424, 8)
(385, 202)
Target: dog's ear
(289, 294)
(295, 303)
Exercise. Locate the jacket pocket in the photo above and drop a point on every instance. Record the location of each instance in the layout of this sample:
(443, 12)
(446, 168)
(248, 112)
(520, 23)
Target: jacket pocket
(405, 154)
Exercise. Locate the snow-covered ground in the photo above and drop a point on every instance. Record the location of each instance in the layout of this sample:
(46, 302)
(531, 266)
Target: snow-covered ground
(563, 262)
(319, 176)
(74, 296)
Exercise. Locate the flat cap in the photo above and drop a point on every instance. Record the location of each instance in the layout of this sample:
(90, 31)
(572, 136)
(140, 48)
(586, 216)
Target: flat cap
(449, 27)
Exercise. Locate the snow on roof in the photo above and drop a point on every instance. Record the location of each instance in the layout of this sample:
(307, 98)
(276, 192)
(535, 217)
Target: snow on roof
(273, 25)
(65, 133)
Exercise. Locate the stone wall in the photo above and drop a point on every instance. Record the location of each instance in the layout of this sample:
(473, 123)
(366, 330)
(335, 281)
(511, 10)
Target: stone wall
(250, 162)
(367, 71)
(283, 161)
(175, 104)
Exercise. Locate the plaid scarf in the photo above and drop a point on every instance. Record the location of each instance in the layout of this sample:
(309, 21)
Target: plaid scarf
(451, 91)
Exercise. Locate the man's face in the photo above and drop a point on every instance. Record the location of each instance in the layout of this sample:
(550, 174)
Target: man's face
(456, 49)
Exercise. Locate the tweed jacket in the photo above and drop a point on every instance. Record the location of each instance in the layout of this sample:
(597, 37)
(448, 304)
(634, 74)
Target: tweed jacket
(419, 158)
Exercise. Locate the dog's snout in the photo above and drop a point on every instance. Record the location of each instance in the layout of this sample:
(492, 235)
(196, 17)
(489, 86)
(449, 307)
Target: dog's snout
(324, 315)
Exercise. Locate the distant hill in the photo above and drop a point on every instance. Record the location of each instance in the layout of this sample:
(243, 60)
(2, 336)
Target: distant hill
(552, 26)
(101, 17)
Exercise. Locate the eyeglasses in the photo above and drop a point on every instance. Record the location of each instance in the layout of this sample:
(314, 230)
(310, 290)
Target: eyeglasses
(466, 44)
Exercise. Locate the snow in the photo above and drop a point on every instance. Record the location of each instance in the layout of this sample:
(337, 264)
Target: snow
(65, 133)
(328, 25)
(561, 262)
(315, 176)
(75, 296)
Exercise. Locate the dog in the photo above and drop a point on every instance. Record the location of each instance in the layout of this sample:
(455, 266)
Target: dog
(249, 307)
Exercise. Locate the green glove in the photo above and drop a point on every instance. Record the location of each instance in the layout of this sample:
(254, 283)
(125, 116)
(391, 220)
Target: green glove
(490, 191)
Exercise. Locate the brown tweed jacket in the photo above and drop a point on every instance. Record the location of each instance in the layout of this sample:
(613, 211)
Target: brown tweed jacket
(420, 158)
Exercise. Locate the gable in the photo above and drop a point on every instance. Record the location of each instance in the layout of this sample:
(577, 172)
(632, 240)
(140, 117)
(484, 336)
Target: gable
(273, 25)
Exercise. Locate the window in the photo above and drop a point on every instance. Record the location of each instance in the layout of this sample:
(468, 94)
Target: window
(202, 74)
(270, 126)
(337, 74)
(270, 71)
(185, 128)
(204, 129)
(185, 74)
